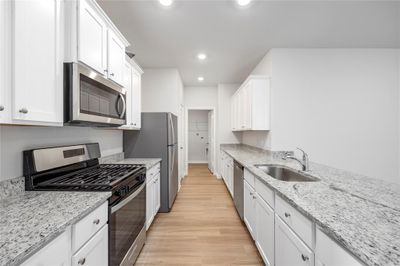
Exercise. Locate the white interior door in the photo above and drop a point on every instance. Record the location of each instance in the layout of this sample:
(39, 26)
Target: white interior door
(210, 146)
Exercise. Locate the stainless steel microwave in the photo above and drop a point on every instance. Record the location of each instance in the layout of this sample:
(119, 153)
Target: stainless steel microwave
(90, 99)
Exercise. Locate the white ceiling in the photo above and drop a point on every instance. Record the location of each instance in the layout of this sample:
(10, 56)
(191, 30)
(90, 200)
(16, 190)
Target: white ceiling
(236, 39)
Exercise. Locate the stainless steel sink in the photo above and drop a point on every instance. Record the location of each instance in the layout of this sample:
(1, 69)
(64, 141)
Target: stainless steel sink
(285, 174)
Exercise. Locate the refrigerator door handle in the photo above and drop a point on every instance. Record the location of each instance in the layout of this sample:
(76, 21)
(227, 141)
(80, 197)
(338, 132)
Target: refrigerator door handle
(172, 128)
(172, 161)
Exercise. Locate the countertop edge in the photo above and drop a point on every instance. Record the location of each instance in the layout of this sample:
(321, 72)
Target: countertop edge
(21, 258)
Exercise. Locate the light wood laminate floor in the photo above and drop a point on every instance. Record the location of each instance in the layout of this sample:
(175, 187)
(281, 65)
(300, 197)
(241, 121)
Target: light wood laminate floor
(203, 228)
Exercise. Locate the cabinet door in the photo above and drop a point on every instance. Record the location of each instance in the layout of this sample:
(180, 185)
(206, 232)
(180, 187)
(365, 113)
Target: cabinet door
(149, 203)
(289, 249)
(95, 251)
(129, 92)
(233, 113)
(265, 231)
(5, 62)
(92, 38)
(136, 99)
(247, 106)
(156, 194)
(38, 66)
(56, 253)
(329, 253)
(116, 58)
(249, 208)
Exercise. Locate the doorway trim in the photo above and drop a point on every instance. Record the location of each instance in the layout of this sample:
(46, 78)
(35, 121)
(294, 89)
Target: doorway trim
(214, 134)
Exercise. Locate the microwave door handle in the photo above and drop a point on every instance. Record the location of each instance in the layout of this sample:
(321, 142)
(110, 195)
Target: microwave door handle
(123, 106)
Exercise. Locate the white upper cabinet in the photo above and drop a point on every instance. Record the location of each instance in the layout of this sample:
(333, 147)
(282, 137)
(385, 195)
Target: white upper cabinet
(37, 62)
(92, 38)
(251, 105)
(4, 61)
(136, 98)
(132, 81)
(116, 58)
(127, 82)
(92, 31)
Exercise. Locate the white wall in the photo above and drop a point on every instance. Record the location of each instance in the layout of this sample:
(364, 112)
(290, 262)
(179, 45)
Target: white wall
(200, 97)
(197, 136)
(162, 90)
(340, 105)
(15, 139)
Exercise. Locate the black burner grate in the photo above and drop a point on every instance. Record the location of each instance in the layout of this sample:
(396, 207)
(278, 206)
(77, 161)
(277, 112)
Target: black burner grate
(100, 176)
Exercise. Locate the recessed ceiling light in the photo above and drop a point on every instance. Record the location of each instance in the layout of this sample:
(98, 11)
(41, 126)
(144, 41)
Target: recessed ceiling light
(243, 2)
(200, 79)
(166, 2)
(201, 56)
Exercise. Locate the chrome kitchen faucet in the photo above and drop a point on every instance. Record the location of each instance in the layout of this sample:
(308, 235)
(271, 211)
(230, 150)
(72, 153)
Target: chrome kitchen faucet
(304, 163)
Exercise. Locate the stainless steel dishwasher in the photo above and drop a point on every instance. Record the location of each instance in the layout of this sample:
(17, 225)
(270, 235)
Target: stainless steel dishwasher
(238, 183)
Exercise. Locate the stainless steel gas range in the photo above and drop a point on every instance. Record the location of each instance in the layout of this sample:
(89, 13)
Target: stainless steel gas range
(77, 167)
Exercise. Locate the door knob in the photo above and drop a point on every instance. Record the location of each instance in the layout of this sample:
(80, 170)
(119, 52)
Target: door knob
(23, 110)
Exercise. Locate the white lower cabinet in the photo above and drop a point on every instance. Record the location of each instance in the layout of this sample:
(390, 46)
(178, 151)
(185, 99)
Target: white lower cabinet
(152, 194)
(328, 253)
(56, 253)
(249, 198)
(95, 251)
(265, 231)
(289, 248)
(86, 243)
(227, 171)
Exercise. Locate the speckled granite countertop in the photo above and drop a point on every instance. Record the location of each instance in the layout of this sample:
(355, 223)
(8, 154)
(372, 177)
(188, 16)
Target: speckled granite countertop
(32, 219)
(360, 213)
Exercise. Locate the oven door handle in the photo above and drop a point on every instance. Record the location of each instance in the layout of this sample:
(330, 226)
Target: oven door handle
(128, 199)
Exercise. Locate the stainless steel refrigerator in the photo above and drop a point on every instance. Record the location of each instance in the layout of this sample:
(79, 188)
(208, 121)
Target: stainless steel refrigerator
(157, 138)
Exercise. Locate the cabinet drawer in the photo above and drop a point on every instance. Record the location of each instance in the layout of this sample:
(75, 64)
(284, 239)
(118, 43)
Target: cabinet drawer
(249, 177)
(265, 192)
(152, 172)
(83, 230)
(295, 220)
(95, 251)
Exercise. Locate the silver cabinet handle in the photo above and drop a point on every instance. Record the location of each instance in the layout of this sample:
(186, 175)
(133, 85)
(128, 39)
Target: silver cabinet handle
(254, 197)
(23, 110)
(112, 74)
(1, 108)
(96, 221)
(287, 214)
(251, 193)
(82, 261)
(105, 70)
(304, 257)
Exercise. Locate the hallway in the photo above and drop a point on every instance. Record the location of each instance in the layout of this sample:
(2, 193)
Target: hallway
(203, 227)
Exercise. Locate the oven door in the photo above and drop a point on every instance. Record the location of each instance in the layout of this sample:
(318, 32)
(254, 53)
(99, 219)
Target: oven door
(93, 98)
(127, 228)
